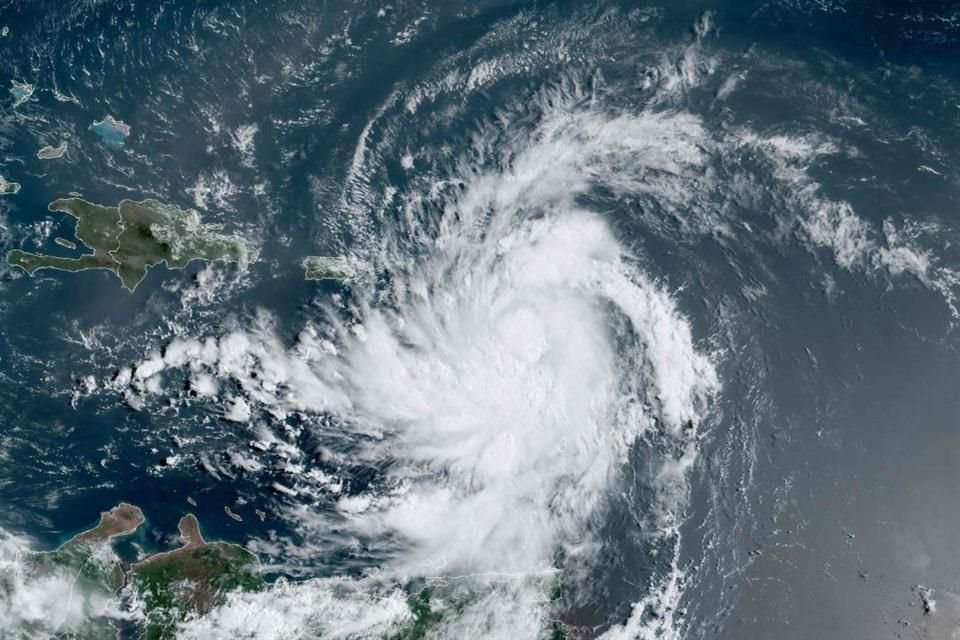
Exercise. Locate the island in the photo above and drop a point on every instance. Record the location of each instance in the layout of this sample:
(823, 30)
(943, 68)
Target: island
(21, 92)
(165, 588)
(8, 188)
(63, 242)
(112, 131)
(191, 580)
(52, 153)
(331, 267)
(132, 237)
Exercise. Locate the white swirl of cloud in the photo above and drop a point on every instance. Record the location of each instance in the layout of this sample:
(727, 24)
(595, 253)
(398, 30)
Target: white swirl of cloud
(520, 359)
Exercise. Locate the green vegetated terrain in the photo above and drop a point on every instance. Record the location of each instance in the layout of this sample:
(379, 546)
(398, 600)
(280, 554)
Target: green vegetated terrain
(429, 609)
(8, 188)
(88, 564)
(331, 267)
(191, 580)
(175, 586)
(424, 615)
(132, 237)
(170, 587)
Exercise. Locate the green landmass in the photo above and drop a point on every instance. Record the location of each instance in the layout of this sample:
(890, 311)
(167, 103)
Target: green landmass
(87, 561)
(167, 587)
(430, 607)
(132, 237)
(331, 267)
(63, 242)
(558, 630)
(8, 188)
(191, 580)
(423, 616)
(77, 552)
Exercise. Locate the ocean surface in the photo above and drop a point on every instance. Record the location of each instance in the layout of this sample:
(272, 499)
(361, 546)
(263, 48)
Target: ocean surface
(654, 332)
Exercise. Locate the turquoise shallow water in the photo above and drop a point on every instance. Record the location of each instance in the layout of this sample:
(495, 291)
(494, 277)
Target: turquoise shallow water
(112, 132)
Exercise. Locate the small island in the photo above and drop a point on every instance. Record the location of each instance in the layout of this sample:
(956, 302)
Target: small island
(331, 267)
(113, 132)
(52, 153)
(132, 237)
(21, 92)
(8, 188)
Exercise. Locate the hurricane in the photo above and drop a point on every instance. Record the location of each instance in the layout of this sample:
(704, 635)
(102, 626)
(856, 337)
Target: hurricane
(499, 320)
(501, 373)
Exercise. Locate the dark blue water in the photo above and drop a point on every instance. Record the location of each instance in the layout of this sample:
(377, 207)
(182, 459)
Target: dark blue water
(822, 490)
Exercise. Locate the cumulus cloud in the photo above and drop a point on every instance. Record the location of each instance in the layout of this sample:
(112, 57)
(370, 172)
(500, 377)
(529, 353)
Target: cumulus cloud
(854, 243)
(834, 225)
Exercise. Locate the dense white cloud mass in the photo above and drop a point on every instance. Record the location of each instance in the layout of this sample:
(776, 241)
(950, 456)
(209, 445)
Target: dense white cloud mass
(314, 609)
(523, 356)
(516, 356)
(505, 350)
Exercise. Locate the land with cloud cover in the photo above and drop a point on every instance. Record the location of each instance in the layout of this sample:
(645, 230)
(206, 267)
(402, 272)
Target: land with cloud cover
(524, 370)
(331, 267)
(68, 591)
(8, 187)
(523, 356)
(83, 590)
(132, 237)
(191, 580)
(522, 360)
